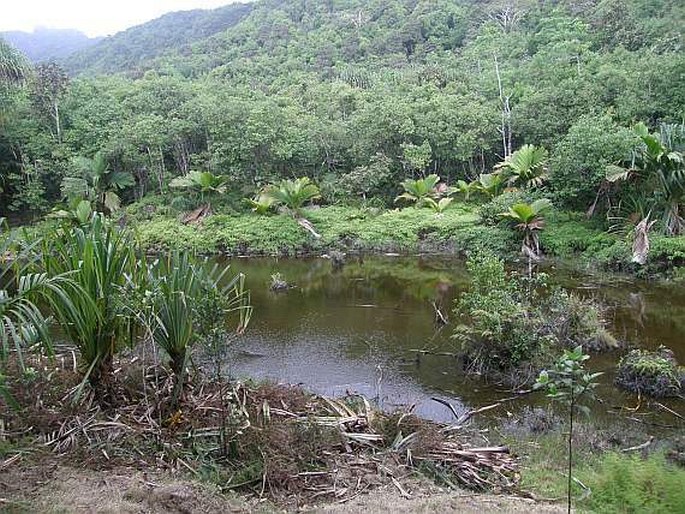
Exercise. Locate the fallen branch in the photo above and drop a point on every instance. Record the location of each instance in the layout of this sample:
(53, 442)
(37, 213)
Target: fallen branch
(670, 411)
(439, 316)
(307, 225)
(402, 490)
(438, 354)
(449, 406)
(639, 446)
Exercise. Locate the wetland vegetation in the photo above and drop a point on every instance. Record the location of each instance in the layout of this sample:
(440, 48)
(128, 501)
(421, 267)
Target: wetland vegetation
(422, 213)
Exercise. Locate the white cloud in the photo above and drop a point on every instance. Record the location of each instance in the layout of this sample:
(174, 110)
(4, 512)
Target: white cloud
(94, 17)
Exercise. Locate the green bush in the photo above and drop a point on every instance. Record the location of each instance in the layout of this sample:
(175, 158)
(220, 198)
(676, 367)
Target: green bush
(569, 234)
(496, 332)
(630, 484)
(577, 167)
(577, 321)
(510, 323)
(366, 229)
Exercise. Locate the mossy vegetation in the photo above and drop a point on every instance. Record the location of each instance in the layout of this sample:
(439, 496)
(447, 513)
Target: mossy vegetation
(343, 228)
(461, 229)
(654, 374)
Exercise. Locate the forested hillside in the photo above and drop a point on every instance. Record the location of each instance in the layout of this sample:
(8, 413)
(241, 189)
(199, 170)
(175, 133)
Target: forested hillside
(133, 51)
(45, 44)
(357, 95)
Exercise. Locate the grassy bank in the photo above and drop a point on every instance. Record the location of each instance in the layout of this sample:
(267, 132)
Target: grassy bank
(613, 471)
(459, 230)
(342, 228)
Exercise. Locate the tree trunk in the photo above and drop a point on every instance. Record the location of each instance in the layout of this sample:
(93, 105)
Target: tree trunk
(58, 127)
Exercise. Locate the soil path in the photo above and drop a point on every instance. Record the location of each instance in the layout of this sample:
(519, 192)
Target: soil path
(60, 489)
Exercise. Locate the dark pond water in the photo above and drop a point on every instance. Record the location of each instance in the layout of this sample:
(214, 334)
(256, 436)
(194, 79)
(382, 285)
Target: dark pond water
(353, 330)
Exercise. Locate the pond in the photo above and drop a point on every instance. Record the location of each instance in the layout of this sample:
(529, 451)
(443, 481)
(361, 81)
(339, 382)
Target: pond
(357, 329)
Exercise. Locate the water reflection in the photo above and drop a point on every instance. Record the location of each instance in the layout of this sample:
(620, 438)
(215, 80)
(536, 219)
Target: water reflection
(354, 329)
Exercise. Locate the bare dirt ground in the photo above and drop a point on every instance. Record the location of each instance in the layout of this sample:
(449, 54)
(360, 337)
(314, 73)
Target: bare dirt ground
(54, 488)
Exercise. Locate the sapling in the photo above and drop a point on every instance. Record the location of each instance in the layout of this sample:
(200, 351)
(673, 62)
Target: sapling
(569, 383)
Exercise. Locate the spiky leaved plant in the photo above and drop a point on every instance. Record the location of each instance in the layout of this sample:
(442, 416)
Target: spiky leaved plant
(99, 259)
(23, 288)
(191, 300)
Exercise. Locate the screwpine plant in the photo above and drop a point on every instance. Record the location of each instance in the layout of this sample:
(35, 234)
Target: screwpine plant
(24, 288)
(100, 260)
(191, 301)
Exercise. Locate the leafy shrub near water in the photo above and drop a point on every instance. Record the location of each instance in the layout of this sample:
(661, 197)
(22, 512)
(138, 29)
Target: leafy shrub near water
(653, 373)
(516, 324)
(496, 331)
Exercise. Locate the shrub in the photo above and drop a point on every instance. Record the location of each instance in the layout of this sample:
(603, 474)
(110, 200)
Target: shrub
(568, 234)
(497, 332)
(653, 373)
(576, 321)
(93, 314)
(508, 324)
(577, 167)
(623, 483)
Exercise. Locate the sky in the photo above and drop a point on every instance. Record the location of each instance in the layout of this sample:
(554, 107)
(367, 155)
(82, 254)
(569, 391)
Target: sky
(94, 17)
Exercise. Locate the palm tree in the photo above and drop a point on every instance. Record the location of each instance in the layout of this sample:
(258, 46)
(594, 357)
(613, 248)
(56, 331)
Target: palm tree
(657, 170)
(439, 206)
(13, 65)
(419, 190)
(293, 194)
(261, 203)
(202, 182)
(14, 69)
(526, 167)
(527, 219)
(97, 182)
(488, 184)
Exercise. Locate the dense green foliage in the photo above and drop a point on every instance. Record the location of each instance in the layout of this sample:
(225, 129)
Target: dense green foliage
(630, 484)
(23, 289)
(344, 228)
(357, 96)
(100, 260)
(92, 278)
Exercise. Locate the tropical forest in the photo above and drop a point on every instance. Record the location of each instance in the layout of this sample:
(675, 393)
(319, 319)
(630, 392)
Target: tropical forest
(346, 256)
